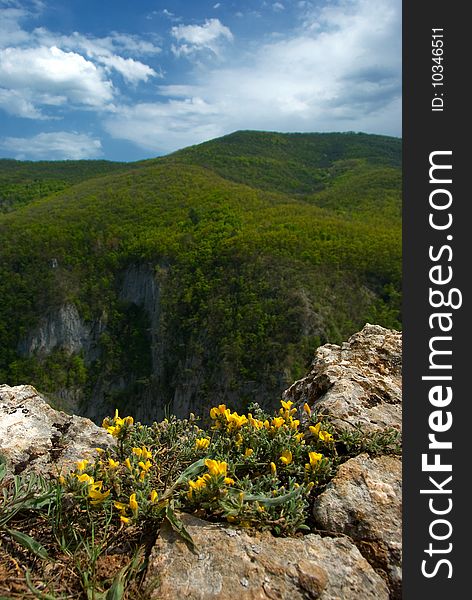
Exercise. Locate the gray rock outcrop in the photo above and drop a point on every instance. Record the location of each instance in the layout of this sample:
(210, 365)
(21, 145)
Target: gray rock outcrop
(61, 329)
(229, 563)
(364, 501)
(35, 437)
(359, 382)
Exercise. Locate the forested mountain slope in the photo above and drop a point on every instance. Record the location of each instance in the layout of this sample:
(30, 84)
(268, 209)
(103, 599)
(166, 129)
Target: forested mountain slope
(209, 275)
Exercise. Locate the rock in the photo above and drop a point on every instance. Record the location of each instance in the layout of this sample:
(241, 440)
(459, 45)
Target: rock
(364, 501)
(61, 329)
(35, 437)
(229, 563)
(358, 382)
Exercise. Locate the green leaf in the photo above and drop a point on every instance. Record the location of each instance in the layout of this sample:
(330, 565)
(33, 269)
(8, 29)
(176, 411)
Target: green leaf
(178, 526)
(3, 469)
(191, 471)
(29, 543)
(117, 589)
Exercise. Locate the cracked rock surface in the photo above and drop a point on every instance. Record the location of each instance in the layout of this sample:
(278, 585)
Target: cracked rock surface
(228, 564)
(364, 501)
(35, 437)
(359, 382)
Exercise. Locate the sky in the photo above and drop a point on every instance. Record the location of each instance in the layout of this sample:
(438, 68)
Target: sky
(132, 79)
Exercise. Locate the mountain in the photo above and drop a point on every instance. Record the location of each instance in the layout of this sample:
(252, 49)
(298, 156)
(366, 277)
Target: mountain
(206, 276)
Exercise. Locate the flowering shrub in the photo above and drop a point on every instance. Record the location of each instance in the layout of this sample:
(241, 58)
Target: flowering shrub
(253, 470)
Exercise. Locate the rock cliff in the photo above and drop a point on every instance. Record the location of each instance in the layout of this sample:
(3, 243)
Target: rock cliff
(355, 551)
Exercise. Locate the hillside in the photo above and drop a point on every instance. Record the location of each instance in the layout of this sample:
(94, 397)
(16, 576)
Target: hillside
(23, 182)
(206, 276)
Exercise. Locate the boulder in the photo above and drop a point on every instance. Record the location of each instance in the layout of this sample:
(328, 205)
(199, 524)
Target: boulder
(364, 501)
(359, 382)
(229, 563)
(35, 437)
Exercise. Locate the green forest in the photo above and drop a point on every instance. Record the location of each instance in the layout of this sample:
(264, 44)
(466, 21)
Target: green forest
(261, 247)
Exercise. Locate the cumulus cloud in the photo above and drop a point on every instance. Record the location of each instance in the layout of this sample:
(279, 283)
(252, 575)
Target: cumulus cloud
(103, 51)
(17, 105)
(40, 68)
(55, 73)
(194, 38)
(59, 145)
(340, 71)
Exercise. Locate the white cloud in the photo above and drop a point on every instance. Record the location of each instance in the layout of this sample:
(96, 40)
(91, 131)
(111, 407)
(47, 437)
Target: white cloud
(102, 51)
(59, 145)
(340, 71)
(10, 29)
(278, 7)
(194, 38)
(15, 104)
(166, 126)
(41, 67)
(56, 73)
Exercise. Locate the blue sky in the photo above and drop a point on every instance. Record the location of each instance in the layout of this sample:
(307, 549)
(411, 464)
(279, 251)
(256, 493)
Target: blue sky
(125, 80)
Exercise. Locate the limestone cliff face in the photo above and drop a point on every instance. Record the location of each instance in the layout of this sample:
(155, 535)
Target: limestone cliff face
(62, 329)
(145, 355)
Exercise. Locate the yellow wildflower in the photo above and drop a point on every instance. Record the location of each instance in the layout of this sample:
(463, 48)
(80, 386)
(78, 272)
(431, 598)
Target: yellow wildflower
(153, 496)
(278, 422)
(256, 423)
(114, 430)
(215, 412)
(286, 457)
(228, 481)
(128, 464)
(248, 452)
(145, 453)
(273, 468)
(216, 467)
(113, 464)
(137, 451)
(96, 494)
(299, 437)
(202, 443)
(235, 421)
(133, 503)
(84, 478)
(287, 405)
(315, 430)
(128, 420)
(124, 519)
(197, 485)
(81, 465)
(326, 437)
(145, 466)
(238, 440)
(120, 506)
(307, 409)
(100, 450)
(315, 458)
